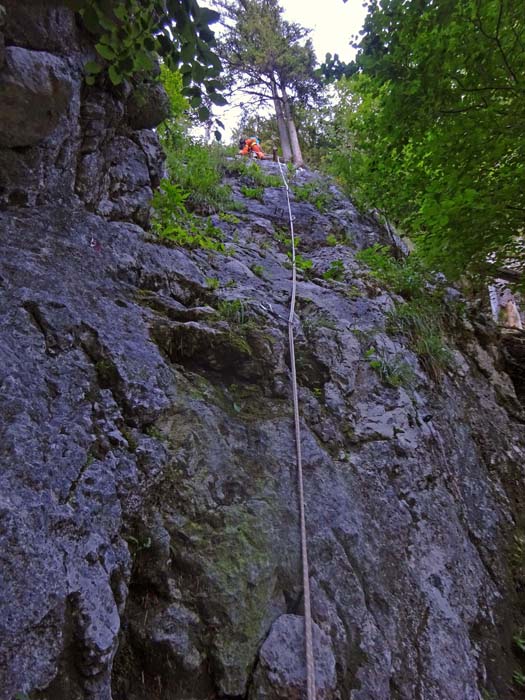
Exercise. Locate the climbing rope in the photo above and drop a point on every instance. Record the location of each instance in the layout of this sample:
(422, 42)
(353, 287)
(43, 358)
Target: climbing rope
(311, 692)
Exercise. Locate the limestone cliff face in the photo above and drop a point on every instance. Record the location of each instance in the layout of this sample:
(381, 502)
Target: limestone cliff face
(59, 139)
(148, 512)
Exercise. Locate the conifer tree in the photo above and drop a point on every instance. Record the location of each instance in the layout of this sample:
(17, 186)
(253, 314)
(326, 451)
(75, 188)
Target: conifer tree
(270, 60)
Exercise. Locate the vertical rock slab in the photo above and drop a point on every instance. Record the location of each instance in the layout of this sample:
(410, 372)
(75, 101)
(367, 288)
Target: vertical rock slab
(35, 90)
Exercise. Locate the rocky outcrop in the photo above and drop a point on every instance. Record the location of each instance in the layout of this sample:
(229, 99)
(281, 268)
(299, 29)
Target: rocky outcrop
(149, 516)
(38, 85)
(148, 511)
(61, 140)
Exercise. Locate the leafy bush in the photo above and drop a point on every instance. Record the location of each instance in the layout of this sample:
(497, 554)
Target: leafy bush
(422, 321)
(198, 169)
(172, 131)
(253, 192)
(336, 271)
(172, 222)
(252, 172)
(132, 34)
(257, 270)
(422, 318)
(301, 263)
(406, 277)
(235, 312)
(212, 283)
(316, 193)
(229, 218)
(519, 678)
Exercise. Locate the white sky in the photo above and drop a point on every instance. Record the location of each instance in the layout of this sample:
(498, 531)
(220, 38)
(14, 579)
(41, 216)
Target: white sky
(333, 22)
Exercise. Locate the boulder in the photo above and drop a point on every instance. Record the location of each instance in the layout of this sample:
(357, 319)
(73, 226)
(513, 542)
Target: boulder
(35, 89)
(147, 106)
(281, 673)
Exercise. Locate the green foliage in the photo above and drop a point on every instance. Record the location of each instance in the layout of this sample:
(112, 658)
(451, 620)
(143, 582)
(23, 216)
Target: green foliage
(318, 320)
(212, 283)
(421, 321)
(430, 129)
(406, 277)
(519, 679)
(392, 369)
(316, 129)
(251, 172)
(302, 263)
(336, 271)
(334, 69)
(519, 640)
(131, 34)
(353, 292)
(283, 237)
(260, 45)
(233, 311)
(487, 695)
(291, 170)
(198, 169)
(253, 192)
(172, 222)
(332, 240)
(517, 552)
(422, 318)
(316, 193)
(257, 270)
(264, 51)
(172, 131)
(138, 546)
(154, 432)
(130, 439)
(229, 218)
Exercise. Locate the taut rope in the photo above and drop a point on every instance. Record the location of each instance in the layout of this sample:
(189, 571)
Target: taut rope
(311, 692)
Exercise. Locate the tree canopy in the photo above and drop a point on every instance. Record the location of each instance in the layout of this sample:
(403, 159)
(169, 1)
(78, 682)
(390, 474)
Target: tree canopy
(431, 128)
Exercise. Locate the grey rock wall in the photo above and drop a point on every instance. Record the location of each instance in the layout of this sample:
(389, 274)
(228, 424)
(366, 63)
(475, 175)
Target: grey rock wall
(148, 514)
(60, 140)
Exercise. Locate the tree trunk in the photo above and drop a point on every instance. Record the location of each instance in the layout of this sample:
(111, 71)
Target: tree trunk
(281, 124)
(297, 156)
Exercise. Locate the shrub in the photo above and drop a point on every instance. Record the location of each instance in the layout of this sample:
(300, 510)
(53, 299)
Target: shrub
(173, 223)
(233, 311)
(421, 321)
(316, 193)
(422, 318)
(301, 263)
(253, 192)
(405, 277)
(198, 170)
(336, 271)
(252, 172)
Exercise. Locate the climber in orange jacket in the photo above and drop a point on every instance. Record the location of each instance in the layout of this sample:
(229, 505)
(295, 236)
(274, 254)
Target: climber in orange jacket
(250, 145)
